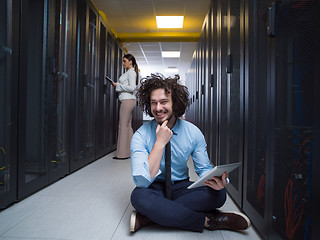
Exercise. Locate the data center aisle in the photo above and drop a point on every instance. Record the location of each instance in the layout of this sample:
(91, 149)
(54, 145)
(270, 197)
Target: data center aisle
(92, 204)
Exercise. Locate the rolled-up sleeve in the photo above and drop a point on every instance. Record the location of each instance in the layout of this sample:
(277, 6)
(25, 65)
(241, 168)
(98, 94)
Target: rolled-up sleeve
(139, 160)
(200, 156)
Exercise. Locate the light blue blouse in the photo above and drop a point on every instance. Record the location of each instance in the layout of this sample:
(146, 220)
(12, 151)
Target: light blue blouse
(187, 140)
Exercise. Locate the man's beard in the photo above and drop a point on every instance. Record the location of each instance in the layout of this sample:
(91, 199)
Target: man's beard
(161, 121)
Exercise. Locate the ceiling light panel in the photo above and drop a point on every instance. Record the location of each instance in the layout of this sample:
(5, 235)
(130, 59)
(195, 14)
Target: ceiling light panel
(170, 54)
(169, 21)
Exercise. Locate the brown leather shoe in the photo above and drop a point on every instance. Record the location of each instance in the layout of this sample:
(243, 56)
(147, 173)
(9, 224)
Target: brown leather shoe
(138, 221)
(228, 221)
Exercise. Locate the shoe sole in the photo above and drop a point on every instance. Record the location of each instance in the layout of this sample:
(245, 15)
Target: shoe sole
(133, 221)
(242, 215)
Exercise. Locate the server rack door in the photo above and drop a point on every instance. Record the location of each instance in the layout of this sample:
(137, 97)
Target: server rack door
(84, 99)
(204, 83)
(194, 91)
(223, 80)
(208, 92)
(190, 85)
(316, 151)
(91, 84)
(293, 133)
(191, 113)
(231, 118)
(194, 87)
(202, 80)
(58, 59)
(33, 99)
(8, 172)
(110, 91)
(235, 98)
(213, 83)
(257, 101)
(115, 101)
(119, 71)
(103, 115)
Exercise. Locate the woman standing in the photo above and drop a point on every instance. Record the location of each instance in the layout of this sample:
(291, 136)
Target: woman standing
(126, 86)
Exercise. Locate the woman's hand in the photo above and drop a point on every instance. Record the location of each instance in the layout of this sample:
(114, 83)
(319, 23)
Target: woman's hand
(114, 84)
(217, 183)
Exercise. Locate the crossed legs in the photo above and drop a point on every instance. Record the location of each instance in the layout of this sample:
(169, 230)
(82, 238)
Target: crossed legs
(186, 210)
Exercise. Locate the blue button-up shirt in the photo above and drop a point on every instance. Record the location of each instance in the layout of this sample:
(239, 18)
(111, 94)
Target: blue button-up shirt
(186, 140)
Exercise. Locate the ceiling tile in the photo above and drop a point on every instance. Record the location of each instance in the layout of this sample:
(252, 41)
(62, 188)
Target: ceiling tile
(154, 54)
(197, 8)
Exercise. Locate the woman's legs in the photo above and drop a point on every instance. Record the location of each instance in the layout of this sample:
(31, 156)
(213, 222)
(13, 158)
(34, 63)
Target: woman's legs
(125, 131)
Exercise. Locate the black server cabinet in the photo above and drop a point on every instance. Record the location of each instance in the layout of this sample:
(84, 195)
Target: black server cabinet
(292, 65)
(189, 115)
(231, 91)
(51, 95)
(103, 128)
(83, 118)
(280, 117)
(34, 99)
(265, 91)
(117, 71)
(109, 90)
(59, 75)
(213, 99)
(9, 36)
(202, 80)
(204, 88)
(257, 115)
(316, 151)
(197, 85)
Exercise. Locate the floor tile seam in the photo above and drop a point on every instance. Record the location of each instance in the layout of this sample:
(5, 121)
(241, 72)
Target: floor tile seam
(124, 213)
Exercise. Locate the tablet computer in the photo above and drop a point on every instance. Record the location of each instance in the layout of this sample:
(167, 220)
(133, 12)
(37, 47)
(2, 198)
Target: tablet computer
(216, 171)
(109, 79)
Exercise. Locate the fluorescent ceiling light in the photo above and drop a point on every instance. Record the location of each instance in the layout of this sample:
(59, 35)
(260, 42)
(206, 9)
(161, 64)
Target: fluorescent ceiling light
(169, 21)
(170, 54)
(171, 70)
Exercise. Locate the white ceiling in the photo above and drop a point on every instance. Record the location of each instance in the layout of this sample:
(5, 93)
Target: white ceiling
(134, 24)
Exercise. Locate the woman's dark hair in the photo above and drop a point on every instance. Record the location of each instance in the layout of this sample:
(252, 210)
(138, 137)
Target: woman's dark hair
(179, 93)
(130, 57)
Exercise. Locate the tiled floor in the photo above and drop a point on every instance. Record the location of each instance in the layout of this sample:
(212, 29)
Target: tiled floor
(92, 204)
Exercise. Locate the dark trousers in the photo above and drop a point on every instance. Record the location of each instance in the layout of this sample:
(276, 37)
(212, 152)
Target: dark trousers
(187, 208)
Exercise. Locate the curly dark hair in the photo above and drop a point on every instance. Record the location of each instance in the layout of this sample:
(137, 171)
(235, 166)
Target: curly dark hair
(179, 93)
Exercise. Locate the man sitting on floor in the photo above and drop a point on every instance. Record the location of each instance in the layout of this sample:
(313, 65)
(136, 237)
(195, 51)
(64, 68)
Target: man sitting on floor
(173, 204)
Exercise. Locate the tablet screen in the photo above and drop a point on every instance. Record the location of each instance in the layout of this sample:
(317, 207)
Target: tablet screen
(216, 171)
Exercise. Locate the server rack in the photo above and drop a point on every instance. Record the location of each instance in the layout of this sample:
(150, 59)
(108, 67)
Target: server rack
(59, 74)
(103, 97)
(292, 63)
(8, 101)
(257, 170)
(264, 56)
(34, 99)
(54, 56)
